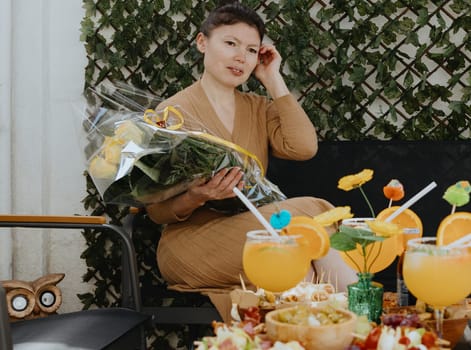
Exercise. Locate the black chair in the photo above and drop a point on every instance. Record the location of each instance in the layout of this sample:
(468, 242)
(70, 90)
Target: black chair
(107, 328)
(191, 309)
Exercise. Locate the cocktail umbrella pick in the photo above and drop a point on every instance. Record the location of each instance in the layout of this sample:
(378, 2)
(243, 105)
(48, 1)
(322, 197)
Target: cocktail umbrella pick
(458, 194)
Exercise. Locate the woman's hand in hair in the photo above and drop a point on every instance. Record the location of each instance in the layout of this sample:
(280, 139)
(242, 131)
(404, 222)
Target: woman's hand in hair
(268, 71)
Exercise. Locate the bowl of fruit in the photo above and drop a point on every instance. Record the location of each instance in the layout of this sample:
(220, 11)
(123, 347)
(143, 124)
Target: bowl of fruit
(316, 328)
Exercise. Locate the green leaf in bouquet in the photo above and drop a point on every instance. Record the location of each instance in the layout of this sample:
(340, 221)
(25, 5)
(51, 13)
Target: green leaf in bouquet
(119, 192)
(150, 172)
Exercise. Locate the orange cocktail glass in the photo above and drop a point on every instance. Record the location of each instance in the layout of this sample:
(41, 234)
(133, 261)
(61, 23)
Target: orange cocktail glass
(273, 263)
(437, 275)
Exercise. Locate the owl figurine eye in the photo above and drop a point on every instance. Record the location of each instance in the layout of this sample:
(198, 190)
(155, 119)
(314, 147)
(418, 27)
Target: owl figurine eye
(19, 302)
(47, 299)
(39, 298)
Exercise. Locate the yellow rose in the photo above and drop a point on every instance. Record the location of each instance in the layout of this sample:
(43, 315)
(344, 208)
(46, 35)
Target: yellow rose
(350, 182)
(383, 228)
(100, 168)
(128, 131)
(333, 216)
(112, 150)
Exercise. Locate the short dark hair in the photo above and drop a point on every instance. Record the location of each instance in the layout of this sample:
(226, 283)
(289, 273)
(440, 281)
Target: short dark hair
(232, 12)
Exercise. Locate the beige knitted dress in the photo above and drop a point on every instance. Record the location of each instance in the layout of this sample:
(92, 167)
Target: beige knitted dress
(203, 252)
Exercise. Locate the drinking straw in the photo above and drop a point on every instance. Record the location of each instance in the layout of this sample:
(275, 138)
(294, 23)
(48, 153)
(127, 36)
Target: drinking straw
(458, 242)
(411, 201)
(242, 283)
(255, 212)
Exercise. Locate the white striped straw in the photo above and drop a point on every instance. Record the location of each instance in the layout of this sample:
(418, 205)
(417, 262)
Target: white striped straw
(255, 212)
(411, 201)
(461, 241)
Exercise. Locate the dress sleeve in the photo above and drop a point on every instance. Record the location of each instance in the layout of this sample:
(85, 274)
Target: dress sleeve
(291, 133)
(162, 212)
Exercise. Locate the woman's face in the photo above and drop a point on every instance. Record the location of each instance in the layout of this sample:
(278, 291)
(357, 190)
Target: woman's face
(230, 53)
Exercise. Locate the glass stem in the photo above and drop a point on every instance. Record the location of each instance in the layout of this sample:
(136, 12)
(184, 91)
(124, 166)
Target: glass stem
(439, 315)
(278, 300)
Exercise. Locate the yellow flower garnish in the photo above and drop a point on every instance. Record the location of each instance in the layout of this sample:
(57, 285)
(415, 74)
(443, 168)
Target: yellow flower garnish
(350, 182)
(333, 216)
(383, 228)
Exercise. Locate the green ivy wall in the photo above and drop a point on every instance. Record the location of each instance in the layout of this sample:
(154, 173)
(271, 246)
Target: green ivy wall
(361, 69)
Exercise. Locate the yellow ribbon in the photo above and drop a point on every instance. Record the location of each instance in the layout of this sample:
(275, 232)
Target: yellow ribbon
(153, 118)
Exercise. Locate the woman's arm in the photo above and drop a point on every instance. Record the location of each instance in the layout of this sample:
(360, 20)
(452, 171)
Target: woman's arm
(180, 207)
(290, 131)
(292, 135)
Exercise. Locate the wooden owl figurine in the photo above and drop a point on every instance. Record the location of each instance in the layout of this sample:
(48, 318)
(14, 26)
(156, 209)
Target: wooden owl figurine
(28, 300)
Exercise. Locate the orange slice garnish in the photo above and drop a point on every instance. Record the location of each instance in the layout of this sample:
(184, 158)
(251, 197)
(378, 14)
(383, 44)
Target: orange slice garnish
(407, 220)
(314, 236)
(453, 227)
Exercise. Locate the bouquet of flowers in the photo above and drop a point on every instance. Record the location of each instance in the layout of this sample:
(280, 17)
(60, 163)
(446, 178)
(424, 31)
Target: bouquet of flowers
(137, 156)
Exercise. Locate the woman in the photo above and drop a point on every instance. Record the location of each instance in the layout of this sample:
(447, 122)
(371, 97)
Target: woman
(201, 249)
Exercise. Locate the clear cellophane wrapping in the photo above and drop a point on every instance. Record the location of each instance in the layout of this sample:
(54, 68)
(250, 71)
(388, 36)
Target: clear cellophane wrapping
(136, 155)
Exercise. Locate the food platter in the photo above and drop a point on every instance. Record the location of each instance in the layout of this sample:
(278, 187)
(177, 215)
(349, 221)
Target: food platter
(454, 324)
(259, 320)
(306, 293)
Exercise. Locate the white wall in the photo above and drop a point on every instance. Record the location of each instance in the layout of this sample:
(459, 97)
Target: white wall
(41, 75)
(5, 137)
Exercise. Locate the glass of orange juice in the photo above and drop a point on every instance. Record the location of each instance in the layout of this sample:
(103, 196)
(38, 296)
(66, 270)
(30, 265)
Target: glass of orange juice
(429, 267)
(275, 264)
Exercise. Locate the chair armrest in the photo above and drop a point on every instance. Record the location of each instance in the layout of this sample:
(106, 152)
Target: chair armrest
(78, 219)
(130, 270)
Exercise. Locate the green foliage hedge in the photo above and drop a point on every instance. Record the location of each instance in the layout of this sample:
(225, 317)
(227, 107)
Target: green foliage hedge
(362, 70)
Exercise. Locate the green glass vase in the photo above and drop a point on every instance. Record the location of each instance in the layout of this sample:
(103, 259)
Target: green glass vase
(365, 297)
